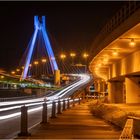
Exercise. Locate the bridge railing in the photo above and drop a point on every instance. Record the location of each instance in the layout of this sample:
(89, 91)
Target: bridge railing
(115, 21)
(56, 108)
(130, 128)
(120, 16)
(127, 132)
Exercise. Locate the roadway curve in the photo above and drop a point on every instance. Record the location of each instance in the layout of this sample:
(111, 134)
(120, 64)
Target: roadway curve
(10, 110)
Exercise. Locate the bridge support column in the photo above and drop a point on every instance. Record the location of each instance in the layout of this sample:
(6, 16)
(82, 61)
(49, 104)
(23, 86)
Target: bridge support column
(115, 92)
(102, 88)
(96, 85)
(132, 89)
(57, 77)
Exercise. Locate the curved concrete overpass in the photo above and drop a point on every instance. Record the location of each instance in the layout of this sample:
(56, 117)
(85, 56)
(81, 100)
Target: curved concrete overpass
(116, 56)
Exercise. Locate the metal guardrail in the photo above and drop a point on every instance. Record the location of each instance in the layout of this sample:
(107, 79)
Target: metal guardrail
(125, 12)
(56, 108)
(127, 132)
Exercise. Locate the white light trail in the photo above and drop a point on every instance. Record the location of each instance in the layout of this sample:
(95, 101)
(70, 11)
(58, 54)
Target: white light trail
(84, 79)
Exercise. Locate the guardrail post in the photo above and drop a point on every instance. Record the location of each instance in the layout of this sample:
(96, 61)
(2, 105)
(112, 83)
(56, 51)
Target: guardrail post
(68, 104)
(24, 122)
(79, 101)
(73, 103)
(87, 98)
(44, 113)
(59, 107)
(53, 115)
(64, 105)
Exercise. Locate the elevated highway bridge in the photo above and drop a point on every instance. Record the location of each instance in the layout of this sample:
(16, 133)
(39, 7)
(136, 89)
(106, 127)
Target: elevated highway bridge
(116, 56)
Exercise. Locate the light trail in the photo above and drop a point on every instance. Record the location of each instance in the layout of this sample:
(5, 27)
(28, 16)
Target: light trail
(84, 79)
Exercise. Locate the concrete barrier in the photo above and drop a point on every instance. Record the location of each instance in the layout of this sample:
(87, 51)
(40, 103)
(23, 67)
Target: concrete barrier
(59, 108)
(64, 105)
(68, 104)
(44, 113)
(24, 122)
(53, 115)
(73, 103)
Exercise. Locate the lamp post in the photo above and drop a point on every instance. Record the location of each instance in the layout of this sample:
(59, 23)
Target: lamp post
(43, 62)
(30, 65)
(72, 56)
(62, 56)
(36, 64)
(85, 56)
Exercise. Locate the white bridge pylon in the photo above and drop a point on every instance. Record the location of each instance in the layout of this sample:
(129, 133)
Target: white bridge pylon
(39, 26)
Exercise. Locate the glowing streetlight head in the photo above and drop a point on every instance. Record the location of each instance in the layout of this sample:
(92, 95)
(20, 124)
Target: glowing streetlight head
(85, 55)
(132, 42)
(72, 54)
(36, 62)
(115, 53)
(62, 56)
(17, 70)
(44, 60)
(12, 72)
(1, 76)
(30, 65)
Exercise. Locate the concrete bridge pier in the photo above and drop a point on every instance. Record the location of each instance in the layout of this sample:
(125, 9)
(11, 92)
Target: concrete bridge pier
(115, 92)
(132, 89)
(100, 86)
(57, 77)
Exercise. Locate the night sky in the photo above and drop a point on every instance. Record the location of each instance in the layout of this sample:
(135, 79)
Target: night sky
(72, 26)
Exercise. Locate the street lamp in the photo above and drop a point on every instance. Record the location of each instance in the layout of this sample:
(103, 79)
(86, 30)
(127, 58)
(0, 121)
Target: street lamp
(30, 65)
(85, 56)
(13, 72)
(62, 56)
(2, 77)
(72, 55)
(17, 70)
(44, 61)
(36, 63)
